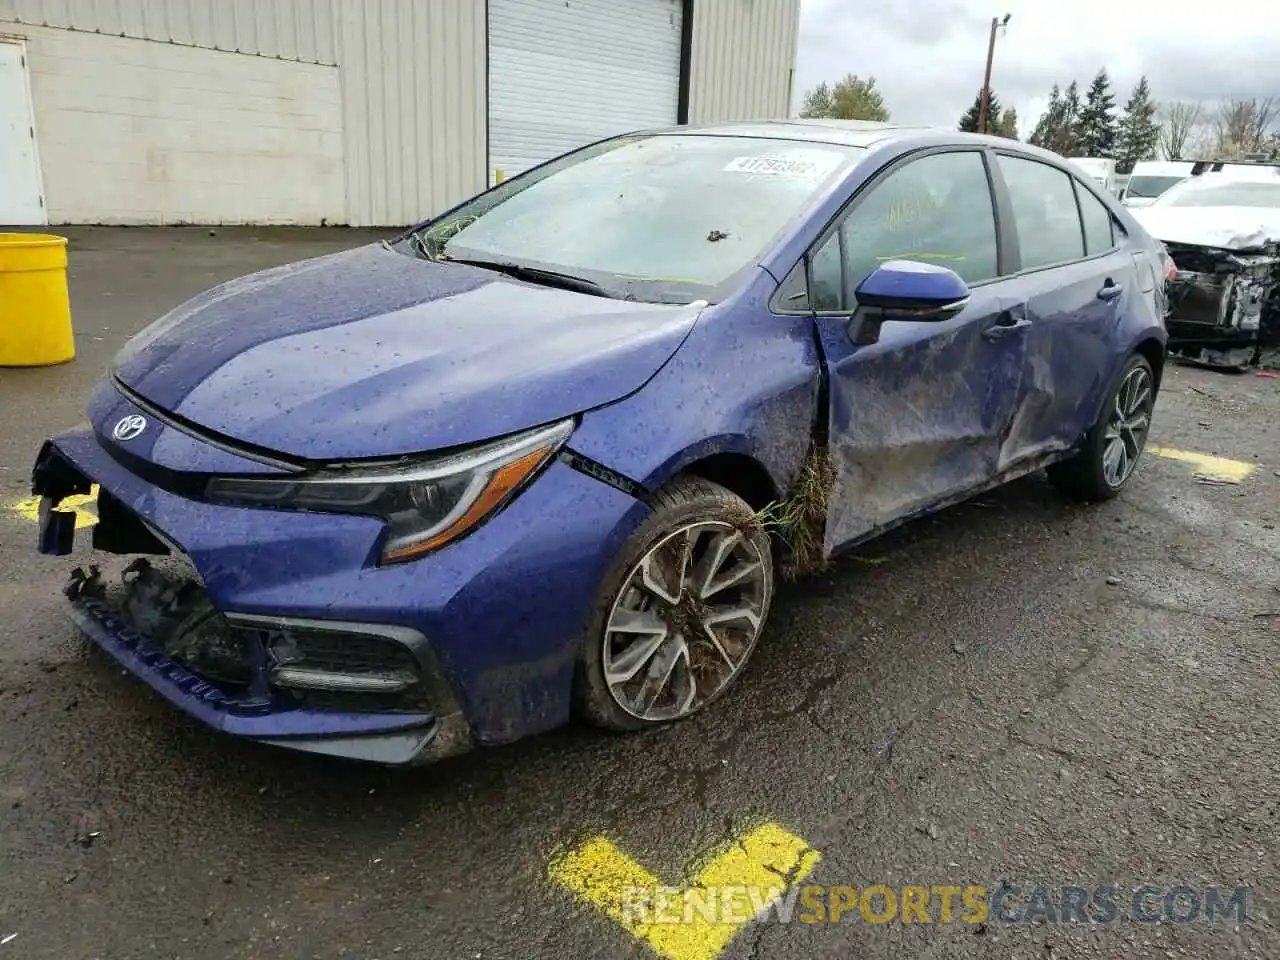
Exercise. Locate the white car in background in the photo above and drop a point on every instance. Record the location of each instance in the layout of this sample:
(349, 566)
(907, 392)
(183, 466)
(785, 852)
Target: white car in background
(1101, 170)
(1222, 229)
(1150, 178)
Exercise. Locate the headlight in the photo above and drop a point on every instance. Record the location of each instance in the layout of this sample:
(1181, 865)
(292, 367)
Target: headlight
(424, 505)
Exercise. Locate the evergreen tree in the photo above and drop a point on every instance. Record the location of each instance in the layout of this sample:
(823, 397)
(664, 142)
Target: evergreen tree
(1066, 132)
(969, 122)
(1139, 132)
(1097, 128)
(1050, 120)
(1000, 122)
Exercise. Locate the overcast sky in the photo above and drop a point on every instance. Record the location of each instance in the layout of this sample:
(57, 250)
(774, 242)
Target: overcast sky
(927, 55)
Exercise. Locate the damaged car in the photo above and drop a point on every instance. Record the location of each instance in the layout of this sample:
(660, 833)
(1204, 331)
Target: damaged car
(1222, 231)
(547, 453)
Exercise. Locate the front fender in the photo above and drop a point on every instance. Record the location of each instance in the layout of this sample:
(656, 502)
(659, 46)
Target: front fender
(745, 381)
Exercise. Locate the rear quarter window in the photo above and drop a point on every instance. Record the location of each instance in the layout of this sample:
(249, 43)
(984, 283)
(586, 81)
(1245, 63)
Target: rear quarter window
(1099, 227)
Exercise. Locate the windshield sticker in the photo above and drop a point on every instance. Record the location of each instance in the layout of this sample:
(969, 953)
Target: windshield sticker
(811, 165)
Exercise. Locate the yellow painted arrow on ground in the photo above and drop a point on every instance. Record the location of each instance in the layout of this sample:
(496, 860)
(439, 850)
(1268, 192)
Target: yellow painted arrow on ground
(698, 922)
(84, 505)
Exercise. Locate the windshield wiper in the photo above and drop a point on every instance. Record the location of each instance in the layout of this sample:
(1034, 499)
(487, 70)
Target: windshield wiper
(548, 278)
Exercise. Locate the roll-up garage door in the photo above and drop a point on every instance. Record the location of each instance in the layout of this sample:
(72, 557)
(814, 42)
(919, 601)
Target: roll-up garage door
(563, 73)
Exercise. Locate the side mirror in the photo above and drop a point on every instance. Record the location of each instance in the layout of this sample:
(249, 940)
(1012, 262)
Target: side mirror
(905, 290)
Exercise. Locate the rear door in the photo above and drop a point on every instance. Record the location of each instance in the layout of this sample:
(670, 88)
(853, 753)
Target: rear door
(918, 417)
(1074, 274)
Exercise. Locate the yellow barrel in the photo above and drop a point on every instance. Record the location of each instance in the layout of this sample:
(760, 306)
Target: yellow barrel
(35, 307)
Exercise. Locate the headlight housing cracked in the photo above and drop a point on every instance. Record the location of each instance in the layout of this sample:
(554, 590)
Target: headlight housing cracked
(424, 505)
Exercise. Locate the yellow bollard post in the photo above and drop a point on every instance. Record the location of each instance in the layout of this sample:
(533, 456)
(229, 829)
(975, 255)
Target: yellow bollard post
(35, 307)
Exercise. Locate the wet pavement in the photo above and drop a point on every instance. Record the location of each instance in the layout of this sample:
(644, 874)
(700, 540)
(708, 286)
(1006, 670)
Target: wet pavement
(1018, 690)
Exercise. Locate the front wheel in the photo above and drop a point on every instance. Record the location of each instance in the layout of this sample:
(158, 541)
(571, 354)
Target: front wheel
(680, 610)
(1106, 461)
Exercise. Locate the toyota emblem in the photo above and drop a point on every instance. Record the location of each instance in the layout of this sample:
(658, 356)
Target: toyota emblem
(129, 427)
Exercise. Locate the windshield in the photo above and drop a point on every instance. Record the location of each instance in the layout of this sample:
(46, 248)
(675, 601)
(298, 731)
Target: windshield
(1238, 193)
(664, 218)
(1150, 186)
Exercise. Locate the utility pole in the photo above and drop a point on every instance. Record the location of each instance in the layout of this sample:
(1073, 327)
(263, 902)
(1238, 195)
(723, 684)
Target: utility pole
(996, 24)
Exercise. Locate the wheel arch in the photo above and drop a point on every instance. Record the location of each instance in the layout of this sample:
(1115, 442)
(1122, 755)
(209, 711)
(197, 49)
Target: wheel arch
(1154, 351)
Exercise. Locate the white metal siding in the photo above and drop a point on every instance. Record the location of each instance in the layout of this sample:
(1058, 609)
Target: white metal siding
(413, 93)
(21, 194)
(563, 73)
(289, 29)
(743, 59)
(131, 131)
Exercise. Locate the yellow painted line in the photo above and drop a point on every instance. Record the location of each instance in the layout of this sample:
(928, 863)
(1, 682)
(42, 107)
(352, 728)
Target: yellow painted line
(1215, 468)
(84, 505)
(692, 923)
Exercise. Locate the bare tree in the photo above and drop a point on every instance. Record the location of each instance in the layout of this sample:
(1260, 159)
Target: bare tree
(1178, 121)
(1243, 126)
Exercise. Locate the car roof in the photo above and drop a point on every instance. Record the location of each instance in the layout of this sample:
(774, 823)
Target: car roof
(864, 134)
(850, 133)
(1262, 173)
(1162, 167)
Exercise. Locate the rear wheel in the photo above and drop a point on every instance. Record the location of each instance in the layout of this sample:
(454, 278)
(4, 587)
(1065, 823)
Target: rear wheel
(680, 610)
(1106, 462)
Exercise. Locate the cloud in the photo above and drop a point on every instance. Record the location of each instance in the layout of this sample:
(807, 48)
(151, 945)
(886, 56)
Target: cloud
(927, 55)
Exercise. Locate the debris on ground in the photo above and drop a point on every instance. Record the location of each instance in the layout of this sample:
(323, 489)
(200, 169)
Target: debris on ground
(1215, 481)
(1113, 581)
(86, 839)
(8, 938)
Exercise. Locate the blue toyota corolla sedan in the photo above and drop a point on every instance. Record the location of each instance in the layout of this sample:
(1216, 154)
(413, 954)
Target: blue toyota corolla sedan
(546, 454)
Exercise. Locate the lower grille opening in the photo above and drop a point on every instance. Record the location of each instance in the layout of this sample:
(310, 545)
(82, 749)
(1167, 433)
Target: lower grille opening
(330, 670)
(259, 669)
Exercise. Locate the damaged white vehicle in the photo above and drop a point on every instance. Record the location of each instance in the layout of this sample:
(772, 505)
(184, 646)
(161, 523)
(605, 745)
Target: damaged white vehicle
(1222, 230)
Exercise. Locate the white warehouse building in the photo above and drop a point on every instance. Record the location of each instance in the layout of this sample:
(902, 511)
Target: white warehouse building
(360, 112)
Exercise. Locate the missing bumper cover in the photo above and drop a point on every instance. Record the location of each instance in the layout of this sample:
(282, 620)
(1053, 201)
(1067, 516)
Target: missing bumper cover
(1224, 305)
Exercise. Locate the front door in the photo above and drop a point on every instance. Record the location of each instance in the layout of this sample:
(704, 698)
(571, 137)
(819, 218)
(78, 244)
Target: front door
(21, 202)
(920, 416)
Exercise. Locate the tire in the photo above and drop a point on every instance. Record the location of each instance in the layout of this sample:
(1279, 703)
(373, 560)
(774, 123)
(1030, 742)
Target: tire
(1087, 475)
(637, 591)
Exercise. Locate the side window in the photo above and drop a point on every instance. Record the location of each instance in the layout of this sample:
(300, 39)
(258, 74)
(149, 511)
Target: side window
(1044, 211)
(937, 209)
(1098, 230)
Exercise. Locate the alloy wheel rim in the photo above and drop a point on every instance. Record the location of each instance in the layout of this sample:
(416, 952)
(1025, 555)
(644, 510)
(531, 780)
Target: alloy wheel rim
(685, 621)
(1127, 427)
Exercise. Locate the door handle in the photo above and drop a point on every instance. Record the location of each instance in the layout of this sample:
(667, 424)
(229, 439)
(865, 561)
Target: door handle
(998, 331)
(1110, 290)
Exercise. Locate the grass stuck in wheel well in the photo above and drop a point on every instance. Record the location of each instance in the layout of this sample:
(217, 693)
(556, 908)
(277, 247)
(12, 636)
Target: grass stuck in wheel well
(799, 522)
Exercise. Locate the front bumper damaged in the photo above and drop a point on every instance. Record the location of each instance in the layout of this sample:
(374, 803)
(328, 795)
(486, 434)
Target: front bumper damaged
(363, 691)
(1224, 305)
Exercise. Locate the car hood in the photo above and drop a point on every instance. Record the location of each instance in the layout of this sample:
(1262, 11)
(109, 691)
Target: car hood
(1224, 228)
(371, 353)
